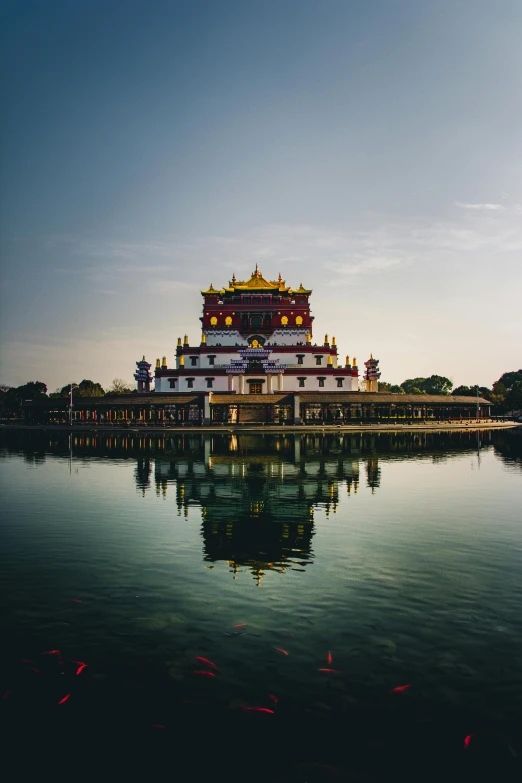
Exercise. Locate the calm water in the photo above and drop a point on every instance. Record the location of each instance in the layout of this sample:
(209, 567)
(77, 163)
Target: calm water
(317, 572)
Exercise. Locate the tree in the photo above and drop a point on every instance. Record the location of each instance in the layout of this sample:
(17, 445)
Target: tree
(119, 386)
(506, 390)
(471, 391)
(435, 384)
(416, 390)
(85, 388)
(13, 398)
(383, 386)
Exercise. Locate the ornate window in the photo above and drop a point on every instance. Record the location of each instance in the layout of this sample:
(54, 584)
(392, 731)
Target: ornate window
(299, 320)
(340, 382)
(255, 387)
(284, 320)
(190, 383)
(213, 321)
(301, 382)
(321, 382)
(300, 358)
(193, 361)
(211, 360)
(172, 382)
(256, 322)
(209, 381)
(228, 321)
(318, 359)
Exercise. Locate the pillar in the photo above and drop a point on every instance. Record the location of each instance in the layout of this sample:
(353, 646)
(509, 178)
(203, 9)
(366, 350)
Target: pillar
(268, 383)
(264, 386)
(241, 384)
(280, 381)
(206, 409)
(297, 413)
(231, 383)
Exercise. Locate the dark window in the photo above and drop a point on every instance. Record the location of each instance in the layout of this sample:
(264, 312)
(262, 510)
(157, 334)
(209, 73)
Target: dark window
(256, 322)
(321, 383)
(256, 300)
(237, 299)
(276, 299)
(246, 299)
(193, 361)
(172, 382)
(301, 381)
(300, 358)
(209, 381)
(211, 360)
(318, 359)
(190, 383)
(340, 382)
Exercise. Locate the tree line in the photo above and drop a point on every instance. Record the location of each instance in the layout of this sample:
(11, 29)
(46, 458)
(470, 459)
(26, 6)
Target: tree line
(12, 398)
(505, 394)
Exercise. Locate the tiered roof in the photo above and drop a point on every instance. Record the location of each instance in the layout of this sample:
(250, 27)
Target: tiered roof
(257, 283)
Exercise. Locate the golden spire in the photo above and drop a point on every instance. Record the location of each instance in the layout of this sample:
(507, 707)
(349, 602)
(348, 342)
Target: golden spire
(347, 361)
(164, 362)
(354, 362)
(203, 338)
(182, 361)
(371, 356)
(157, 364)
(179, 342)
(186, 342)
(143, 358)
(308, 337)
(333, 340)
(326, 339)
(329, 360)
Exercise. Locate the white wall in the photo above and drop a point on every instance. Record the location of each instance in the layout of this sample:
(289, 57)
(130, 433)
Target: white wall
(290, 383)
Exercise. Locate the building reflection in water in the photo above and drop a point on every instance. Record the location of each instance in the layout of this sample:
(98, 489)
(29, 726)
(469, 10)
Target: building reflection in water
(258, 494)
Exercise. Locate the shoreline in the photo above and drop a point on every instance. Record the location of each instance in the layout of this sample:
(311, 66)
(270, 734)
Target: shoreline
(217, 429)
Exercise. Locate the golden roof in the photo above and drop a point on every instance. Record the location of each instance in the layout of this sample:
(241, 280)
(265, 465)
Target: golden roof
(257, 282)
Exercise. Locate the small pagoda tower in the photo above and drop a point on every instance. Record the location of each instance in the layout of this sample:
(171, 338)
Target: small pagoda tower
(372, 374)
(143, 376)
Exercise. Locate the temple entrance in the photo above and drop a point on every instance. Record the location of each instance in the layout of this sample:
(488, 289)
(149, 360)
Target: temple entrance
(255, 388)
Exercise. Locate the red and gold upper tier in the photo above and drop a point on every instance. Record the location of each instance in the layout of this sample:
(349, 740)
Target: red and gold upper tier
(276, 304)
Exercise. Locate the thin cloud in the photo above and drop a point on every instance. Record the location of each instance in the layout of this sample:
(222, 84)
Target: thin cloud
(487, 207)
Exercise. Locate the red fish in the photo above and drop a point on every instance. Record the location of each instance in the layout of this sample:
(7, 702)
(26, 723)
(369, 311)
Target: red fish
(65, 698)
(204, 673)
(280, 649)
(333, 671)
(206, 660)
(51, 652)
(400, 688)
(80, 668)
(239, 625)
(329, 658)
(258, 709)
(467, 740)
(271, 696)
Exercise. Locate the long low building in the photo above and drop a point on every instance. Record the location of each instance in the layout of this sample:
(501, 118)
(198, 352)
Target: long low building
(312, 408)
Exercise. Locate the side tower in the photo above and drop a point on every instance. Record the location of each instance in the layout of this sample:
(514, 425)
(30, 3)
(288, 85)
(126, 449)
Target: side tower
(143, 376)
(372, 374)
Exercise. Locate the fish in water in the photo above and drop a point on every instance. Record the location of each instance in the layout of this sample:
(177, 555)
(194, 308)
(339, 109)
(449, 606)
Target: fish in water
(280, 649)
(400, 688)
(81, 666)
(239, 625)
(329, 658)
(65, 698)
(467, 740)
(332, 671)
(51, 652)
(259, 709)
(271, 696)
(204, 673)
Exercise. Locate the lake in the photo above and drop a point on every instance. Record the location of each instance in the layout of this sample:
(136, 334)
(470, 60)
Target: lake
(285, 607)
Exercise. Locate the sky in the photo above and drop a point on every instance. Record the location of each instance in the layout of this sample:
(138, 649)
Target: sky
(370, 150)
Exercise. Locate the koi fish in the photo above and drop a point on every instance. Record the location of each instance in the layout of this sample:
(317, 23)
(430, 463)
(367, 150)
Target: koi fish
(51, 652)
(204, 673)
(258, 709)
(280, 649)
(206, 660)
(400, 688)
(80, 668)
(329, 658)
(333, 671)
(239, 625)
(467, 740)
(271, 696)
(65, 698)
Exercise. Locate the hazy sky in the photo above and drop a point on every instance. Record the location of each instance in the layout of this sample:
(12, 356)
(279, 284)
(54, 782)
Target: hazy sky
(371, 150)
